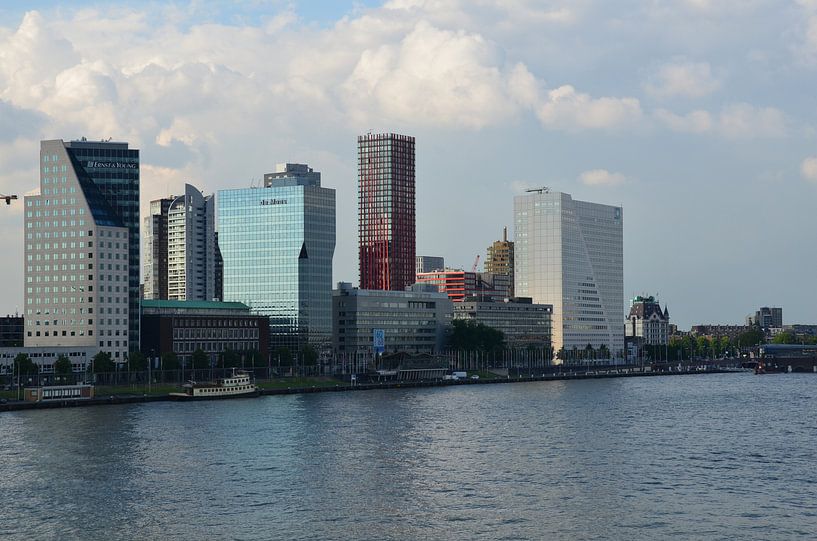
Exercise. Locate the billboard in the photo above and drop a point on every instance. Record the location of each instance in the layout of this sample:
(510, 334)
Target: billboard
(379, 340)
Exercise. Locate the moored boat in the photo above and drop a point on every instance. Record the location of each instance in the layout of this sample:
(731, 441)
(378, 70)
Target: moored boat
(238, 384)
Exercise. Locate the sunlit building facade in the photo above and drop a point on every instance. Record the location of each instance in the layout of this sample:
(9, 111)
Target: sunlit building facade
(386, 207)
(78, 248)
(570, 254)
(277, 244)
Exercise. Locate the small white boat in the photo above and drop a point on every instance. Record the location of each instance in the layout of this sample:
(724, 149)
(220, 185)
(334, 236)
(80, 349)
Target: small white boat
(236, 385)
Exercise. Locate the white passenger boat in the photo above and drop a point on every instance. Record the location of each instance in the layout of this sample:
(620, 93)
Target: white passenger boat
(236, 385)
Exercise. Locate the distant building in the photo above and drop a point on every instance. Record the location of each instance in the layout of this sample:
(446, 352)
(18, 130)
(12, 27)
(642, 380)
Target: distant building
(500, 258)
(719, 331)
(570, 254)
(428, 263)
(386, 211)
(214, 327)
(413, 321)
(648, 322)
(277, 244)
(522, 322)
(12, 331)
(45, 357)
(801, 330)
(766, 318)
(460, 284)
(180, 248)
(87, 216)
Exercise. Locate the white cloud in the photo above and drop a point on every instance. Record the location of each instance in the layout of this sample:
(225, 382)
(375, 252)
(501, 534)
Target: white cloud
(735, 121)
(744, 121)
(682, 79)
(693, 122)
(564, 108)
(808, 169)
(601, 177)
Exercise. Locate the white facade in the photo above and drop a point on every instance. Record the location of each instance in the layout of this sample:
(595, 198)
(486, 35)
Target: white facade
(570, 254)
(76, 262)
(191, 247)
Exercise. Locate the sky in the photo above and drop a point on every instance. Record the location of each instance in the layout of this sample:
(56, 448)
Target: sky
(699, 117)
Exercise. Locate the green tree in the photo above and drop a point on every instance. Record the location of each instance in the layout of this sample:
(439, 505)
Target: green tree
(170, 361)
(63, 367)
(561, 354)
(230, 359)
(589, 352)
(467, 334)
(102, 362)
(24, 366)
(200, 360)
(309, 355)
(604, 352)
(284, 356)
(137, 362)
(750, 338)
(785, 338)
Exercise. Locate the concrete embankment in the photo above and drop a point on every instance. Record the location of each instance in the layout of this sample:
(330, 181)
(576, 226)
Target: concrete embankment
(135, 398)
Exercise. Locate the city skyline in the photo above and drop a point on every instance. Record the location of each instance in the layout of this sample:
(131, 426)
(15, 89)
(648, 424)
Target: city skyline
(706, 136)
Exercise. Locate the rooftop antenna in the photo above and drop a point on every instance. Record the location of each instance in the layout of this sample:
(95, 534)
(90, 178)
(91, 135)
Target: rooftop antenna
(543, 189)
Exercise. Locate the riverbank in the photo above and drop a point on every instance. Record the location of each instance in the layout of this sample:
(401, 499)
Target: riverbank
(324, 386)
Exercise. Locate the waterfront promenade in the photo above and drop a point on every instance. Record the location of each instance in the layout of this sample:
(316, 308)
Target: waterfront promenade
(128, 394)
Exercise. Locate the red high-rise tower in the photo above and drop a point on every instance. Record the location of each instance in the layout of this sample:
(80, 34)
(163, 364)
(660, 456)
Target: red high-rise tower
(386, 229)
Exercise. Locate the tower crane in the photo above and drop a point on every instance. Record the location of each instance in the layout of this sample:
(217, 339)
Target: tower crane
(476, 262)
(8, 198)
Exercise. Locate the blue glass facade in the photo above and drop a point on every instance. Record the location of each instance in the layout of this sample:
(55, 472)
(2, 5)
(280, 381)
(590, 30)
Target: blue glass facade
(277, 245)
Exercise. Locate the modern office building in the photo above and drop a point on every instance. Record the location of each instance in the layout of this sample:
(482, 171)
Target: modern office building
(213, 327)
(81, 248)
(647, 322)
(413, 321)
(460, 284)
(180, 248)
(386, 211)
(12, 331)
(522, 322)
(766, 318)
(500, 258)
(428, 263)
(277, 244)
(155, 249)
(569, 254)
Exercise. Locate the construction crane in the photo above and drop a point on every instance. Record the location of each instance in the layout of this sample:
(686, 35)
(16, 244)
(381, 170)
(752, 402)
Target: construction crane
(8, 198)
(476, 262)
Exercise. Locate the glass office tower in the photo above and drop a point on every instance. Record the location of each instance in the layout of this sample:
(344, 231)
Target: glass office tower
(277, 244)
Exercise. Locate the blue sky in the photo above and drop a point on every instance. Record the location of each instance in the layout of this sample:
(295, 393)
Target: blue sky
(698, 116)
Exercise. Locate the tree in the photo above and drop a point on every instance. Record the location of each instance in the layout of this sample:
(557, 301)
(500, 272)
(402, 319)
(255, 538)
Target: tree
(561, 354)
(750, 338)
(200, 360)
(785, 338)
(284, 356)
(24, 366)
(604, 352)
(468, 334)
(102, 362)
(589, 352)
(170, 361)
(63, 367)
(309, 355)
(137, 362)
(230, 359)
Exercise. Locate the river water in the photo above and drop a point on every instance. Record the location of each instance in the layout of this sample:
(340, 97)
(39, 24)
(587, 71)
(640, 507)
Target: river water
(727, 456)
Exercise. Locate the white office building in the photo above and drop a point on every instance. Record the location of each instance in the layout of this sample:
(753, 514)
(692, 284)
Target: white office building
(77, 254)
(569, 254)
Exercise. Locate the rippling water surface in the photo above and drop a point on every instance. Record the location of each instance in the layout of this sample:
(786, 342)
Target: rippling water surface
(686, 457)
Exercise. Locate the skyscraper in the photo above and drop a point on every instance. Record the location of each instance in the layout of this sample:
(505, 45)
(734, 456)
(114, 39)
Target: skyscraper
(180, 248)
(569, 254)
(500, 258)
(155, 249)
(79, 248)
(277, 244)
(386, 211)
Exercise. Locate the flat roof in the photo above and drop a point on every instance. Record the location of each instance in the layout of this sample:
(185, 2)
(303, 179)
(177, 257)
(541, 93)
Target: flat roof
(193, 305)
